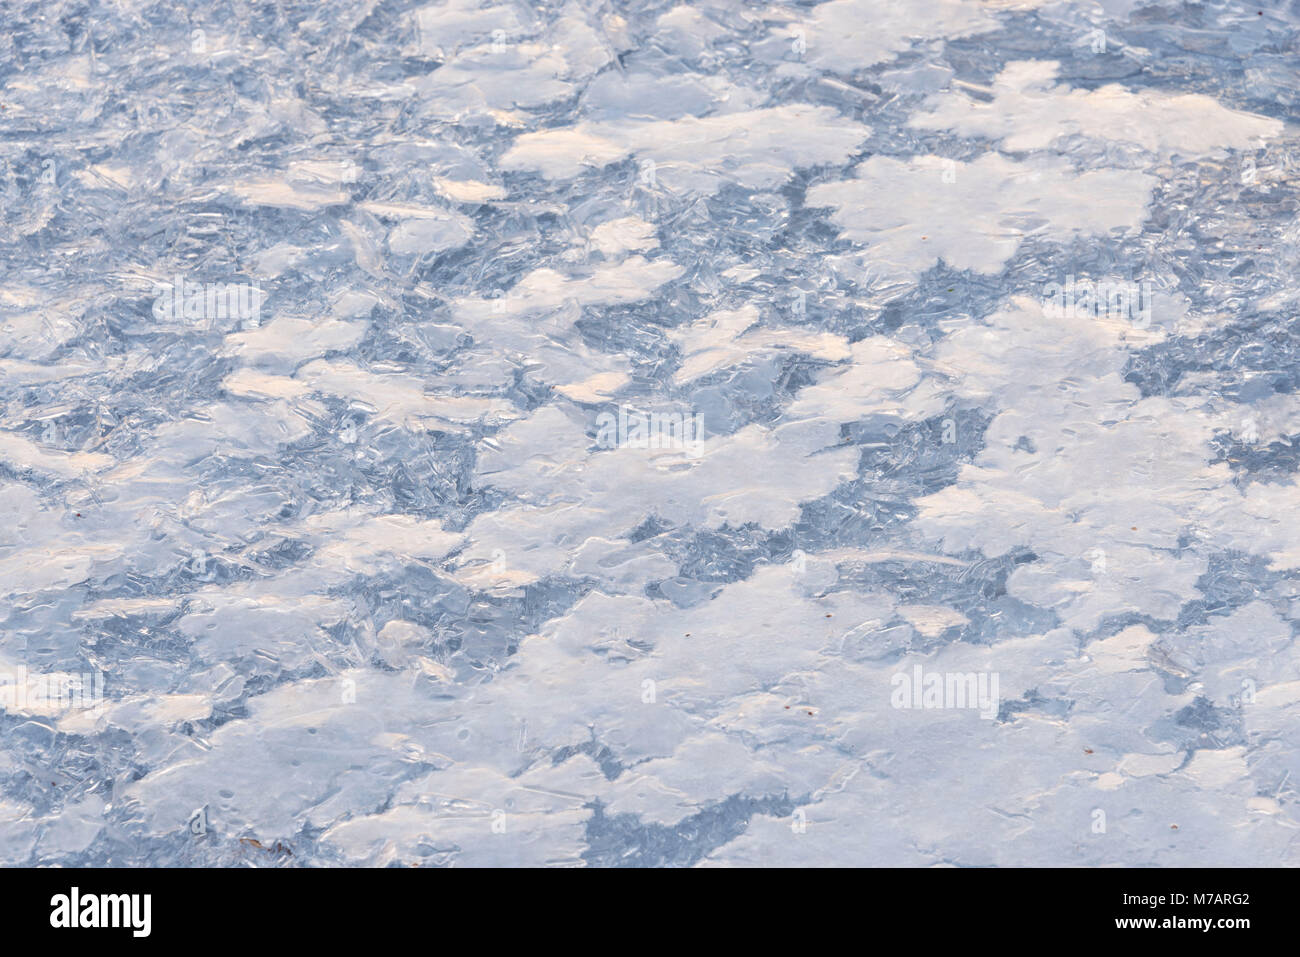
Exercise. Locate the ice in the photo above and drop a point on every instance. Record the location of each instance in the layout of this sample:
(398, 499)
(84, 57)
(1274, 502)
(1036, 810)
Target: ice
(484, 434)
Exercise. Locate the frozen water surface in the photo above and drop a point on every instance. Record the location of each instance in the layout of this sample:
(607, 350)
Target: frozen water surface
(856, 433)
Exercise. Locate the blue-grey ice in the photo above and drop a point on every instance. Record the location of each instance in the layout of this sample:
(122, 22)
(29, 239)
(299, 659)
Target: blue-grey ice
(493, 433)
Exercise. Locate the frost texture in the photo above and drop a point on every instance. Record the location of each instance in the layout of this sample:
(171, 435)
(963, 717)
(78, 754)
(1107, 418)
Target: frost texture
(373, 569)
